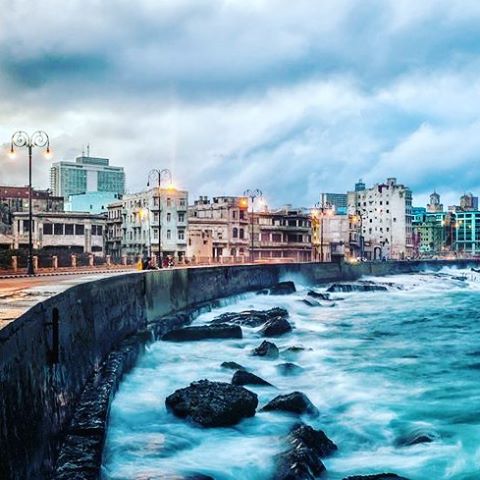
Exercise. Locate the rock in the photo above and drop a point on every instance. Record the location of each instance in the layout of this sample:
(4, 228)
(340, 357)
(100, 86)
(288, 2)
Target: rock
(264, 291)
(311, 303)
(283, 288)
(377, 476)
(267, 350)
(251, 318)
(204, 332)
(295, 402)
(319, 296)
(233, 366)
(289, 369)
(241, 377)
(276, 327)
(416, 436)
(314, 439)
(302, 460)
(351, 287)
(212, 404)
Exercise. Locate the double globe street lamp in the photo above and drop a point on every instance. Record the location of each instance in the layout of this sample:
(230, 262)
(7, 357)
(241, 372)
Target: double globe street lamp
(252, 195)
(37, 139)
(159, 174)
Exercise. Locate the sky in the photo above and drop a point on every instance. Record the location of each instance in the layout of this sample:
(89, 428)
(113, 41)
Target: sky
(291, 97)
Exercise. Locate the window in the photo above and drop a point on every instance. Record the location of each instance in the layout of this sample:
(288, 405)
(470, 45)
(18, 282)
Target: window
(94, 229)
(169, 234)
(169, 202)
(242, 214)
(169, 217)
(235, 232)
(47, 228)
(79, 229)
(181, 234)
(234, 214)
(181, 217)
(68, 229)
(242, 233)
(183, 202)
(58, 228)
(99, 230)
(276, 237)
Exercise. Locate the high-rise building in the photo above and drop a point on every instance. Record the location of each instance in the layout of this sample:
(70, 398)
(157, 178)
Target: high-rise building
(339, 202)
(384, 220)
(468, 202)
(86, 174)
(434, 206)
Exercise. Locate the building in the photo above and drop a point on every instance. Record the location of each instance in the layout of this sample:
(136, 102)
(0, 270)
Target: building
(218, 229)
(429, 233)
(467, 232)
(434, 206)
(383, 226)
(114, 237)
(338, 201)
(140, 223)
(86, 174)
(283, 234)
(468, 202)
(330, 235)
(71, 232)
(92, 202)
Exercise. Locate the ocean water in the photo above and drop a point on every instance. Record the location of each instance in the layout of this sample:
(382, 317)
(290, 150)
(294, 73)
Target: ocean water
(378, 366)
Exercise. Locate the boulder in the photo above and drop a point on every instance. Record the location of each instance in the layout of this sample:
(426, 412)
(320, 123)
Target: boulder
(276, 327)
(302, 459)
(311, 302)
(212, 404)
(233, 366)
(289, 369)
(241, 377)
(283, 288)
(204, 332)
(295, 402)
(266, 349)
(319, 296)
(377, 476)
(354, 287)
(251, 318)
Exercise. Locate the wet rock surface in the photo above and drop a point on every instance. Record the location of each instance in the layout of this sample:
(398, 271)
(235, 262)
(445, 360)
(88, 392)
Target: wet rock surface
(267, 350)
(377, 476)
(319, 296)
(233, 366)
(302, 460)
(416, 436)
(203, 332)
(276, 327)
(356, 287)
(289, 369)
(295, 402)
(241, 377)
(251, 318)
(212, 404)
(283, 288)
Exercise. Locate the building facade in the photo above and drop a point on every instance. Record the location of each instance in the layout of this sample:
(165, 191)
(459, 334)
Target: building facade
(330, 235)
(93, 202)
(143, 216)
(71, 232)
(218, 229)
(86, 174)
(467, 232)
(338, 202)
(384, 220)
(429, 233)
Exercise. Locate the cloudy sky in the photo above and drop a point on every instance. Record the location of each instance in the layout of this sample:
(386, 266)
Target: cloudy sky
(292, 97)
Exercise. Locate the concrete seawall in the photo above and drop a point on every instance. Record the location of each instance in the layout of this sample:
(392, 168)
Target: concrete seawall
(40, 384)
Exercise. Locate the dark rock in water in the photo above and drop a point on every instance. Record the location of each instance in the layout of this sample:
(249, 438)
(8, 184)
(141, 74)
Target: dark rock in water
(314, 439)
(416, 436)
(233, 366)
(311, 303)
(251, 318)
(288, 369)
(212, 404)
(241, 377)
(295, 402)
(377, 476)
(302, 460)
(204, 332)
(283, 288)
(319, 296)
(267, 350)
(351, 287)
(265, 291)
(297, 349)
(276, 327)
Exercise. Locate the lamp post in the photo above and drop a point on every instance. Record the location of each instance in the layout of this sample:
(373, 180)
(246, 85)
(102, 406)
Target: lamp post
(23, 139)
(252, 194)
(159, 174)
(359, 214)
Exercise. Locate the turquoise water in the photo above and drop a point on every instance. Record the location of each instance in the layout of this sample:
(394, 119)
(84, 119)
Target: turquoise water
(377, 365)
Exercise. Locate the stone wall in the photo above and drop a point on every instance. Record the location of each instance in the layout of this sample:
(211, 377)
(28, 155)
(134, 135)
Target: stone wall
(38, 394)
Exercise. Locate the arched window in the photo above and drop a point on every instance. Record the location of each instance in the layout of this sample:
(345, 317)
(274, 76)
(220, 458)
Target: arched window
(235, 232)
(169, 234)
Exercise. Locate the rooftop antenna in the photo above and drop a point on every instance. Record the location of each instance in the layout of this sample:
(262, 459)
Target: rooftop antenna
(83, 151)
(88, 150)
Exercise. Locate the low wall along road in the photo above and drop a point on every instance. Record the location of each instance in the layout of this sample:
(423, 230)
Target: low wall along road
(50, 354)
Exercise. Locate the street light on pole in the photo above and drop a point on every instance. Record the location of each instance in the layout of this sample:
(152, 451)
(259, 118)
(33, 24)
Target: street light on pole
(252, 194)
(159, 174)
(37, 139)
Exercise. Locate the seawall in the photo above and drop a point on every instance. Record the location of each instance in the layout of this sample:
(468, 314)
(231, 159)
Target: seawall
(48, 355)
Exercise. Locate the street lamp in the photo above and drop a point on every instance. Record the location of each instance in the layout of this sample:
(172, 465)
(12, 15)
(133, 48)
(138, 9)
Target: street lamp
(252, 194)
(23, 139)
(159, 174)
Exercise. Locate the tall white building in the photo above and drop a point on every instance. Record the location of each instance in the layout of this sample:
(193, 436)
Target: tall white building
(143, 214)
(384, 219)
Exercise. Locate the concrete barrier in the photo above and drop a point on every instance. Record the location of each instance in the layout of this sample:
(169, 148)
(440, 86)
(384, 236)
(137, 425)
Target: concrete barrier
(48, 354)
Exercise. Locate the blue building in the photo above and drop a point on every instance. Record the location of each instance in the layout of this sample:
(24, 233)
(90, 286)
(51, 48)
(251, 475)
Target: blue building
(92, 202)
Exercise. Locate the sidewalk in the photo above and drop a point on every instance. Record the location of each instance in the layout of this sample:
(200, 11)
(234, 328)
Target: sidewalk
(48, 272)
